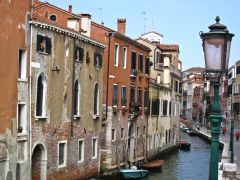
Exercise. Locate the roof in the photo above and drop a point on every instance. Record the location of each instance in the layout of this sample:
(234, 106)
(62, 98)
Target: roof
(152, 32)
(195, 69)
(169, 47)
(119, 35)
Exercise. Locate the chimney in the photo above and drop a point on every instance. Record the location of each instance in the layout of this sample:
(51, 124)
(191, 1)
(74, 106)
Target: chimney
(86, 24)
(121, 26)
(70, 8)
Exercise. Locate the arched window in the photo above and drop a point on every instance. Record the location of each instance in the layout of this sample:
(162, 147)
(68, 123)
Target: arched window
(76, 98)
(96, 99)
(41, 95)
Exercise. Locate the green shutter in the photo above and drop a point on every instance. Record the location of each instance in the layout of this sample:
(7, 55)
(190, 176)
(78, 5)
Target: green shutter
(48, 45)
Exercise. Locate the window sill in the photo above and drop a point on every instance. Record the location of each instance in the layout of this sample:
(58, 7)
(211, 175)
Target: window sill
(94, 157)
(96, 116)
(62, 166)
(41, 117)
(77, 117)
(81, 161)
(79, 62)
(22, 80)
(44, 53)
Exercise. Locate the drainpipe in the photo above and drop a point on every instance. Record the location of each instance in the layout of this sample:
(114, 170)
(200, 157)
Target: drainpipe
(109, 34)
(73, 78)
(30, 100)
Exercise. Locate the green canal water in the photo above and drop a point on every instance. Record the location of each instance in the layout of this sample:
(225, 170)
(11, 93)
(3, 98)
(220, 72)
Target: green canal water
(183, 165)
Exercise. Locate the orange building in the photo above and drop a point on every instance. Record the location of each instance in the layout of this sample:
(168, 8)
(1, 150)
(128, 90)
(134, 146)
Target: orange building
(14, 78)
(125, 95)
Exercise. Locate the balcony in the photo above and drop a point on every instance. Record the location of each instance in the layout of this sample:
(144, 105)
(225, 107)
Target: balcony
(175, 70)
(159, 66)
(134, 73)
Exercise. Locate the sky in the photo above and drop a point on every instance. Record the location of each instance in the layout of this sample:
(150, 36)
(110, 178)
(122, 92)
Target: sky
(179, 21)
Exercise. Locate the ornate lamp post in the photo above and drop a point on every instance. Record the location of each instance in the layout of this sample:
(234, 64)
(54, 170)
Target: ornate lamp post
(216, 48)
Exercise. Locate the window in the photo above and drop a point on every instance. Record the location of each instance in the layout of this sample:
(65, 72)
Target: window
(132, 94)
(155, 107)
(22, 118)
(22, 64)
(137, 131)
(133, 62)
(53, 17)
(124, 57)
(147, 65)
(98, 60)
(41, 95)
(94, 148)
(116, 54)
(113, 134)
(140, 62)
(238, 70)
(44, 44)
(169, 135)
(139, 96)
(122, 133)
(144, 130)
(166, 136)
(170, 108)
(124, 96)
(62, 153)
(80, 150)
(76, 98)
(96, 99)
(165, 104)
(115, 95)
(176, 86)
(230, 75)
(157, 57)
(146, 98)
(79, 54)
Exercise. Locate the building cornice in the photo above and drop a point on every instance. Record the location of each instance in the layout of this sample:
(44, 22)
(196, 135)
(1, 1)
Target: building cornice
(71, 33)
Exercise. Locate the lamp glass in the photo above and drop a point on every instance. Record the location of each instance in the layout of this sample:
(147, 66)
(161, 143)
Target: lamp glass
(214, 54)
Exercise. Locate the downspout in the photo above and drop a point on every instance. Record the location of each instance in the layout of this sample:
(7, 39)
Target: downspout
(108, 64)
(30, 97)
(73, 78)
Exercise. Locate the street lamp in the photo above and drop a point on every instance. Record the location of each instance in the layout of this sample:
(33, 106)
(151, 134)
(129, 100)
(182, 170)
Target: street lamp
(216, 47)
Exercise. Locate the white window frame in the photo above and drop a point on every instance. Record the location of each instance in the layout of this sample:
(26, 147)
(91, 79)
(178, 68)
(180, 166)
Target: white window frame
(78, 99)
(96, 147)
(123, 87)
(44, 113)
(113, 137)
(124, 54)
(82, 151)
(116, 54)
(122, 133)
(65, 154)
(98, 98)
(22, 63)
(23, 118)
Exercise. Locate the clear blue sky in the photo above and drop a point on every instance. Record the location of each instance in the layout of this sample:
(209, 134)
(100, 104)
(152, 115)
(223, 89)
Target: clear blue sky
(179, 21)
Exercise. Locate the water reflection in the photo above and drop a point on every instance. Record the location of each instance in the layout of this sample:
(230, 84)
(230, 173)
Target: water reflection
(182, 165)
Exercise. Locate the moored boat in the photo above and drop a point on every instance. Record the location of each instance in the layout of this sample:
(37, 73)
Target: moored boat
(133, 173)
(184, 145)
(153, 164)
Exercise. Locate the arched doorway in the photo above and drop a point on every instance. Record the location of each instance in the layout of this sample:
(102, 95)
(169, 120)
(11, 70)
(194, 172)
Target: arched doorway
(4, 164)
(39, 162)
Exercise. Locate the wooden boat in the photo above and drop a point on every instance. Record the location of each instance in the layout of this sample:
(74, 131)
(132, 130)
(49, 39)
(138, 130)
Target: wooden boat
(133, 173)
(184, 145)
(153, 164)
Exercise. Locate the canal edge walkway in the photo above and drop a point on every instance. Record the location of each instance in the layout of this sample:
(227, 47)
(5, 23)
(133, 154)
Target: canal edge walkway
(224, 140)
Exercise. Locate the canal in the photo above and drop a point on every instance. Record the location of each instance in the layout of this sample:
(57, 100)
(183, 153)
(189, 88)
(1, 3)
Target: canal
(185, 165)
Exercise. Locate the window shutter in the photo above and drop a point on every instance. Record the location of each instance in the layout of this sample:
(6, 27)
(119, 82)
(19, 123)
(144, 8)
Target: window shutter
(95, 59)
(39, 38)
(153, 100)
(48, 45)
(81, 54)
(100, 60)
